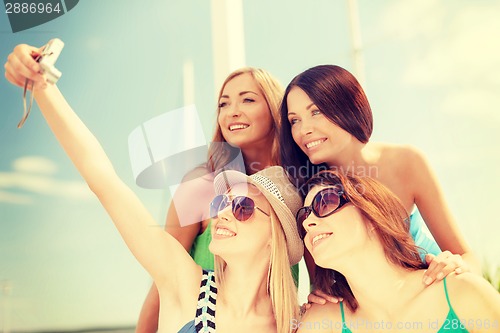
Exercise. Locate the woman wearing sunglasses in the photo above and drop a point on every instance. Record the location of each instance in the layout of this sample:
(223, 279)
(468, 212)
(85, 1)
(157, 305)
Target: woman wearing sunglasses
(357, 232)
(248, 114)
(254, 247)
(327, 123)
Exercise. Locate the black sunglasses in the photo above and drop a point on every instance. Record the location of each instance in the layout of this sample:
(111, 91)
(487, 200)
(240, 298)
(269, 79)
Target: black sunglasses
(242, 207)
(325, 203)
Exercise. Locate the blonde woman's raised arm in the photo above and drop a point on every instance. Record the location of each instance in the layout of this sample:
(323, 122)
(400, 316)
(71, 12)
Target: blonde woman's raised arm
(157, 251)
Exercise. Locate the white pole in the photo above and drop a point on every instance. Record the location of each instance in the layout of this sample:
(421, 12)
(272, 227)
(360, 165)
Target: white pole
(357, 44)
(228, 39)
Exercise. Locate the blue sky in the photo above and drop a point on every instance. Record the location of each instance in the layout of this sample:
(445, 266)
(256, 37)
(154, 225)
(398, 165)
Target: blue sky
(431, 74)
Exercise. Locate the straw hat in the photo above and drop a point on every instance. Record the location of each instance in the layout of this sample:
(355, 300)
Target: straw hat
(282, 195)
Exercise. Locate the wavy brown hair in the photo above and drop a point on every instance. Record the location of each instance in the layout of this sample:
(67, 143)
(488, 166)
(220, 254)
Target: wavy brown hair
(221, 153)
(382, 210)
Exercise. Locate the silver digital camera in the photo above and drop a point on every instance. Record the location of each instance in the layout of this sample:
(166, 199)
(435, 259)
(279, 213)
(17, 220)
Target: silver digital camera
(49, 57)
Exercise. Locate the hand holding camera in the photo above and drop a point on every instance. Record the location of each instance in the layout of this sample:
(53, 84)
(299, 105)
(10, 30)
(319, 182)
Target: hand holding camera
(30, 68)
(48, 59)
(34, 64)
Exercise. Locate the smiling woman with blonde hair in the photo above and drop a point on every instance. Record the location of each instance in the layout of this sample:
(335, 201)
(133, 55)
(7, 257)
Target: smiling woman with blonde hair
(247, 122)
(272, 93)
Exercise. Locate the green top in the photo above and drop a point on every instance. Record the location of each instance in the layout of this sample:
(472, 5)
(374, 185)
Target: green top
(451, 324)
(203, 257)
(199, 250)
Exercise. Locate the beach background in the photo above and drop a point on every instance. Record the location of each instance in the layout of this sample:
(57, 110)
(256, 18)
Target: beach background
(430, 69)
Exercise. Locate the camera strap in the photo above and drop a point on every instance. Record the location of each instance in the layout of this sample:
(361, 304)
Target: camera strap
(27, 109)
(26, 113)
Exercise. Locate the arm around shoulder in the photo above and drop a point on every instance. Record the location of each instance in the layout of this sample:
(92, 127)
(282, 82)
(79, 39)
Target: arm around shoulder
(434, 209)
(320, 318)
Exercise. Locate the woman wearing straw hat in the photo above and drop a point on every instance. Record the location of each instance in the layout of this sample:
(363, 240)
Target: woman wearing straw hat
(357, 232)
(247, 118)
(255, 236)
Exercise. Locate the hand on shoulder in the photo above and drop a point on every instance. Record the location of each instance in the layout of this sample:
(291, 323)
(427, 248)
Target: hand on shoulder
(320, 318)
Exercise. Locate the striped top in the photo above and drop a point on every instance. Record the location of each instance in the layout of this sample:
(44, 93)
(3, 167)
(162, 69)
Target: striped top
(204, 321)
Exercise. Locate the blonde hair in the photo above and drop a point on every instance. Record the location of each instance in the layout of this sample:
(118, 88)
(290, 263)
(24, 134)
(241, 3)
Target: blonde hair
(281, 286)
(220, 155)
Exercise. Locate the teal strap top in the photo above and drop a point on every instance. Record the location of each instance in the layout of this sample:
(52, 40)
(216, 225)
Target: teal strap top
(425, 243)
(345, 329)
(451, 324)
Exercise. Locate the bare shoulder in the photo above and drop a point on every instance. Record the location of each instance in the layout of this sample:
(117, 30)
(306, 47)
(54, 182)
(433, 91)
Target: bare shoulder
(395, 163)
(404, 162)
(471, 284)
(321, 318)
(397, 153)
(198, 183)
(200, 171)
(200, 174)
(191, 199)
(472, 297)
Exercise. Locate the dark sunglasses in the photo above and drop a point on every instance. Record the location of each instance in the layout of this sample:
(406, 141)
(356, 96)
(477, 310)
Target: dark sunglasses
(242, 207)
(325, 203)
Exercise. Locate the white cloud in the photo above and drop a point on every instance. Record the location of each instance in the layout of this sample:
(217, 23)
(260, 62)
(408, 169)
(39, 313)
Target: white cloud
(34, 164)
(467, 53)
(35, 175)
(410, 19)
(453, 48)
(481, 104)
(483, 157)
(18, 199)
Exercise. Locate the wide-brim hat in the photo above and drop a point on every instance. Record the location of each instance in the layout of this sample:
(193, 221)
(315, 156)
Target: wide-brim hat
(281, 194)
